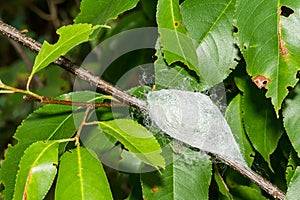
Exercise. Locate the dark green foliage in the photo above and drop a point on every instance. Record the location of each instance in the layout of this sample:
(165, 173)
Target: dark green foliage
(252, 46)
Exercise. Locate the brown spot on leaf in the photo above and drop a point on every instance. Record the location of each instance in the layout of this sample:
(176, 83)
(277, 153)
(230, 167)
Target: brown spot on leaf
(261, 81)
(154, 189)
(282, 48)
(176, 24)
(26, 185)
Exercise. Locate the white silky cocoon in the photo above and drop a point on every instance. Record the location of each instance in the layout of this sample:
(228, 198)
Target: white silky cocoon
(194, 119)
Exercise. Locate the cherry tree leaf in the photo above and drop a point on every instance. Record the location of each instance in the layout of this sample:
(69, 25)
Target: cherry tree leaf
(81, 176)
(136, 138)
(270, 44)
(175, 77)
(47, 123)
(187, 177)
(70, 36)
(174, 39)
(293, 189)
(209, 23)
(51, 122)
(262, 127)
(37, 170)
(292, 119)
(234, 118)
(99, 11)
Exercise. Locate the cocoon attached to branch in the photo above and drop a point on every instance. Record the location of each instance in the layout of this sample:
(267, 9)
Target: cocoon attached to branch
(194, 119)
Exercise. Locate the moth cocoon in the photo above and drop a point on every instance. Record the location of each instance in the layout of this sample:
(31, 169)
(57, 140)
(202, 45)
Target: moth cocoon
(194, 119)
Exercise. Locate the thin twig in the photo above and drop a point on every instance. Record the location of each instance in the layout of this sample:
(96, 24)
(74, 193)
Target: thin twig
(77, 136)
(254, 177)
(82, 73)
(46, 100)
(10, 89)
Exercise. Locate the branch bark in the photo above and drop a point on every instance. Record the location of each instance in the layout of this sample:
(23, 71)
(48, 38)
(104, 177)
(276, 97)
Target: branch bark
(83, 74)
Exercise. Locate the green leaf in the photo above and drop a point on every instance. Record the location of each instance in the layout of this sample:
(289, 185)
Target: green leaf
(223, 189)
(292, 164)
(261, 124)
(292, 118)
(136, 188)
(100, 11)
(293, 189)
(210, 25)
(48, 123)
(37, 170)
(51, 122)
(174, 39)
(70, 36)
(187, 177)
(136, 138)
(234, 118)
(270, 44)
(246, 192)
(81, 176)
(175, 77)
(242, 188)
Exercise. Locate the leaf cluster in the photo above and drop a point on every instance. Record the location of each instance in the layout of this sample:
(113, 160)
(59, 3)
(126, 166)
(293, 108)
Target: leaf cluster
(251, 46)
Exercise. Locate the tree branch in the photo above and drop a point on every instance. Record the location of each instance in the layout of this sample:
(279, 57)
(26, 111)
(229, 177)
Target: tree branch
(83, 74)
(254, 177)
(68, 65)
(46, 100)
